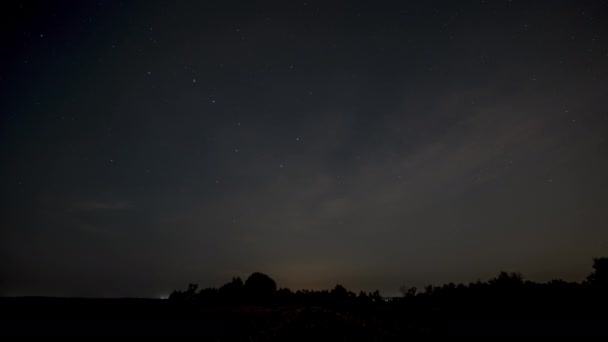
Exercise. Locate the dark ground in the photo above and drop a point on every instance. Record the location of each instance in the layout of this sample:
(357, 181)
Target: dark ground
(379, 322)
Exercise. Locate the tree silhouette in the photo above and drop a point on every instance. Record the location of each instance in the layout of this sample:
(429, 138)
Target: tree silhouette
(339, 291)
(599, 277)
(232, 292)
(259, 286)
(507, 280)
(407, 292)
(505, 293)
(235, 286)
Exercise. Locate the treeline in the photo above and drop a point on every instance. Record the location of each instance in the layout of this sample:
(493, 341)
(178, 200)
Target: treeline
(260, 289)
(507, 290)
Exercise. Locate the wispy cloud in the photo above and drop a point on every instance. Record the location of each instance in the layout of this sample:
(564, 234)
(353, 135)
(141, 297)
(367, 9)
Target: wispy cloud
(93, 205)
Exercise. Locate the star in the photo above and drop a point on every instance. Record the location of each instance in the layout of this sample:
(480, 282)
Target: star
(194, 80)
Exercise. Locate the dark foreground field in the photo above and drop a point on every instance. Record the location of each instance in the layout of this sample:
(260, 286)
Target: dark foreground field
(378, 322)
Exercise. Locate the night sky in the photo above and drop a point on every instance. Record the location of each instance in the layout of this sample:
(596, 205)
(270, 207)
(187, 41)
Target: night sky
(149, 144)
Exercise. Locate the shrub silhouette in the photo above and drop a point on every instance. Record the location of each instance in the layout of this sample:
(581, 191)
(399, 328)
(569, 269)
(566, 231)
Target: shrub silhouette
(188, 295)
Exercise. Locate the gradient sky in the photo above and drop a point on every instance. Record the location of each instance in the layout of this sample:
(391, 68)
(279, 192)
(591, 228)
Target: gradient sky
(149, 144)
